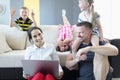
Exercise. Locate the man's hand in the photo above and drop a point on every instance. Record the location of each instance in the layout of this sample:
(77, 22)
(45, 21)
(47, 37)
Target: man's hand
(82, 51)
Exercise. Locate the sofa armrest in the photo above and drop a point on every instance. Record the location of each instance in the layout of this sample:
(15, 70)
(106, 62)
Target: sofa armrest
(115, 60)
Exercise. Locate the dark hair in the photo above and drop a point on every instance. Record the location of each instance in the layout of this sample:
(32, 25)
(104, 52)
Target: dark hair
(86, 24)
(30, 30)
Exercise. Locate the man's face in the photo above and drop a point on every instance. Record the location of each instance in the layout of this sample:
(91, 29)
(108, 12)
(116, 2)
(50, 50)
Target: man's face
(83, 32)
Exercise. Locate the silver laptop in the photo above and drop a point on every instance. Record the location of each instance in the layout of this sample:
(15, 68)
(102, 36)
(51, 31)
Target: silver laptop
(31, 67)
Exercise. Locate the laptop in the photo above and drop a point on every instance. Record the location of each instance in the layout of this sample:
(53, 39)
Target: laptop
(31, 67)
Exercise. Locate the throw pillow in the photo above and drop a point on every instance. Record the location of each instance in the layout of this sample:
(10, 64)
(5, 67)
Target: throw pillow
(3, 44)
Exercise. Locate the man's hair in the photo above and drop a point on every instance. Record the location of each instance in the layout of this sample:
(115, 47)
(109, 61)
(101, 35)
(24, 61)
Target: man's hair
(86, 24)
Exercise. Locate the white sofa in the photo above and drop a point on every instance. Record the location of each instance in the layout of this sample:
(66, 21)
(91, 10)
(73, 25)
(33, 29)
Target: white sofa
(12, 48)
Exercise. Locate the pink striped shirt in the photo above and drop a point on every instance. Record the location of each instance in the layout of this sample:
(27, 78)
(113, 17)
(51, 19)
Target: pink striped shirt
(65, 32)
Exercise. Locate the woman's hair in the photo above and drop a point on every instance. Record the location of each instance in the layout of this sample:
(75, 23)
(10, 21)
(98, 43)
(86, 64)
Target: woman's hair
(30, 30)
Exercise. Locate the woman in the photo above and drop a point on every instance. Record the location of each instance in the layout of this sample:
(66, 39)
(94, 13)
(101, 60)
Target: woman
(40, 50)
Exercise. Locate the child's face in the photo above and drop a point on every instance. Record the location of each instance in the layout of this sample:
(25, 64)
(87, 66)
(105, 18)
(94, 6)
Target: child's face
(83, 4)
(64, 47)
(24, 13)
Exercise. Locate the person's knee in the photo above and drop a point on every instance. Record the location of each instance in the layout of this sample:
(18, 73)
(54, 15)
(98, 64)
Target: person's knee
(38, 76)
(49, 77)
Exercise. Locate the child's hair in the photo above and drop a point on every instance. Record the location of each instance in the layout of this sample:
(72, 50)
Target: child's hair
(30, 30)
(93, 13)
(25, 8)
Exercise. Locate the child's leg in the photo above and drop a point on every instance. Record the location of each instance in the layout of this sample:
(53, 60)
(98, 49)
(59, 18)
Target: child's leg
(65, 21)
(101, 65)
(38, 76)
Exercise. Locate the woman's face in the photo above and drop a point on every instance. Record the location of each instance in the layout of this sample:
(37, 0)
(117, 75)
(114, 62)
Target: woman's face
(37, 37)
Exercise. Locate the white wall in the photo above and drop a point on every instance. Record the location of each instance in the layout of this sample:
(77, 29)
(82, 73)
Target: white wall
(4, 18)
(8, 4)
(110, 15)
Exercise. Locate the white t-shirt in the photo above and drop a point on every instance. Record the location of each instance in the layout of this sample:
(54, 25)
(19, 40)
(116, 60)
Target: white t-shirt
(46, 52)
(82, 17)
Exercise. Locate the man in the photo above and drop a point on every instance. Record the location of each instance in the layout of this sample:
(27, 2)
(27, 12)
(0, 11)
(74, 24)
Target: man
(84, 57)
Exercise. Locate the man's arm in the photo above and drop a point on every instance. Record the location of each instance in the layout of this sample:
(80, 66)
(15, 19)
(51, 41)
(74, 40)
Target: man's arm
(72, 61)
(76, 44)
(106, 50)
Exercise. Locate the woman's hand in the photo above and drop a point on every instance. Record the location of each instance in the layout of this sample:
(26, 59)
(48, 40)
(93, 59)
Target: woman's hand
(26, 76)
(60, 75)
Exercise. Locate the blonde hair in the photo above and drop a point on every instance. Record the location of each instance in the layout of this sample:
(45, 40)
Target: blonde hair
(92, 10)
(93, 13)
(25, 8)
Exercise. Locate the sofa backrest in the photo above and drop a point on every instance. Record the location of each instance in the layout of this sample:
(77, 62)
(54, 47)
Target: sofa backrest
(15, 38)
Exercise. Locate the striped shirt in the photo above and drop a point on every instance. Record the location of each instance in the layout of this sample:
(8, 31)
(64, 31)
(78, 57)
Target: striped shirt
(65, 32)
(24, 25)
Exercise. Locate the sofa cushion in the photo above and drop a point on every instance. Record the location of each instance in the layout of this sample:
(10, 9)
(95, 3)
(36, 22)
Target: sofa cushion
(3, 44)
(12, 58)
(50, 33)
(16, 39)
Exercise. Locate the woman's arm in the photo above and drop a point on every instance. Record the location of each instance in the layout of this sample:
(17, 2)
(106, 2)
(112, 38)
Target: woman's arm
(56, 57)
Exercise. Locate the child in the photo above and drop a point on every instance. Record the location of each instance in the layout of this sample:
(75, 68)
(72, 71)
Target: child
(88, 14)
(23, 22)
(65, 36)
(40, 50)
